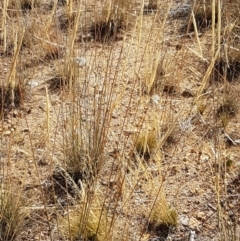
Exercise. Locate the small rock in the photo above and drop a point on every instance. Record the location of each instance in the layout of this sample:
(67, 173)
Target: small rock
(33, 84)
(7, 133)
(191, 222)
(114, 116)
(184, 220)
(201, 215)
(80, 61)
(155, 99)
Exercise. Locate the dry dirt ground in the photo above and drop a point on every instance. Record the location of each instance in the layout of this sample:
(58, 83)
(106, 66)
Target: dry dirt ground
(190, 160)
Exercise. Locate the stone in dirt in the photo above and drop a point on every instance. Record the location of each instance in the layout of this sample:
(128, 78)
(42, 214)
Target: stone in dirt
(190, 222)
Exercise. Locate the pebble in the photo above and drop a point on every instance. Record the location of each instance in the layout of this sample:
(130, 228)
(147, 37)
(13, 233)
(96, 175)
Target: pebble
(191, 222)
(201, 215)
(155, 99)
(33, 84)
(7, 133)
(80, 61)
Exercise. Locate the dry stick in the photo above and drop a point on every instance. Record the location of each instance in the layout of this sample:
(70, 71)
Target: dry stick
(54, 44)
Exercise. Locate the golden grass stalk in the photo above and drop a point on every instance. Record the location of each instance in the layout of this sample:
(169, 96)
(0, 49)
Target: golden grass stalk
(207, 75)
(17, 46)
(196, 32)
(48, 116)
(70, 54)
(4, 25)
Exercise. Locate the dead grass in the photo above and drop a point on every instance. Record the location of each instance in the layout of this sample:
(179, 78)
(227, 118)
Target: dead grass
(86, 221)
(12, 213)
(146, 144)
(202, 15)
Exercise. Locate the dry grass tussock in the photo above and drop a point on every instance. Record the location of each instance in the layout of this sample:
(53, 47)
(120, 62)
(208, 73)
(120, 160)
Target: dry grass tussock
(112, 120)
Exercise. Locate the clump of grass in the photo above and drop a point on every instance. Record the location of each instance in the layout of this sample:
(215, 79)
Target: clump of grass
(56, 82)
(202, 14)
(104, 31)
(63, 76)
(162, 218)
(228, 67)
(12, 217)
(78, 158)
(146, 144)
(116, 16)
(85, 222)
(84, 146)
(168, 133)
(154, 82)
(227, 109)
